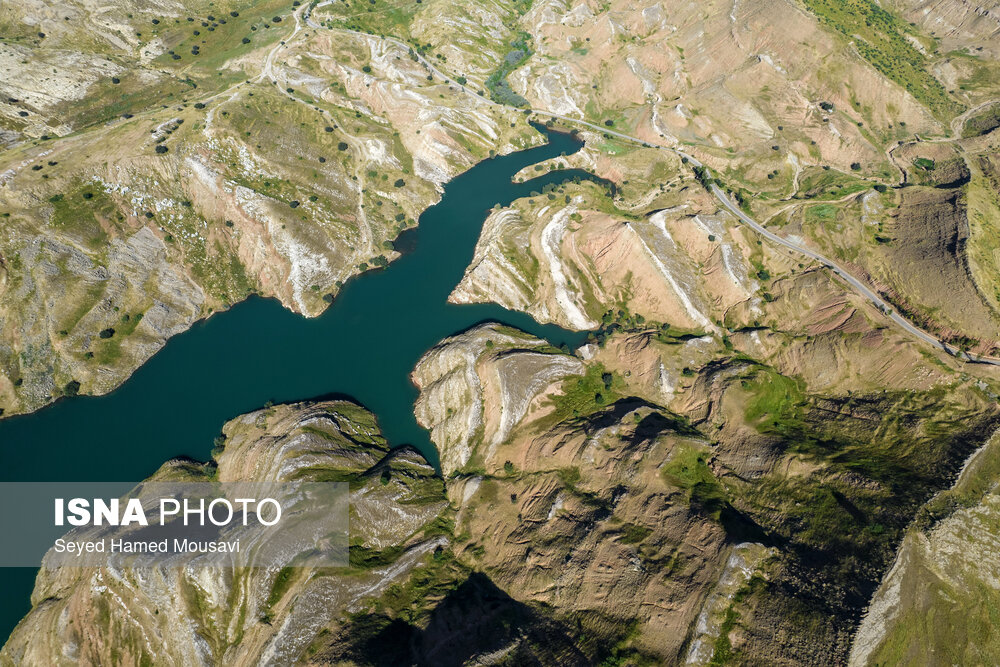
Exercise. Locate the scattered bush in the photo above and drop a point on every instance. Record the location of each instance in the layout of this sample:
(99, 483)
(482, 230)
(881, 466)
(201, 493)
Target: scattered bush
(107, 333)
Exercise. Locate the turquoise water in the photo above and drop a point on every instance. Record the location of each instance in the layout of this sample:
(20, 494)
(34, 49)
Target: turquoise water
(363, 347)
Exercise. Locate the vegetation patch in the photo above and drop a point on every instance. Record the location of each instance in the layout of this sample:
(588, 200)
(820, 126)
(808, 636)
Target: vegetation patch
(499, 87)
(818, 183)
(880, 36)
(688, 470)
(821, 213)
(774, 399)
(585, 394)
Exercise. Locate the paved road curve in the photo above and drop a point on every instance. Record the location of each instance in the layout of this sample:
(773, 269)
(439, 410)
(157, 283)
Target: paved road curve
(855, 283)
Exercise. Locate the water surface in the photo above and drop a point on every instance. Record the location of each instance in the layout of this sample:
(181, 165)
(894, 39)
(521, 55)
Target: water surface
(364, 346)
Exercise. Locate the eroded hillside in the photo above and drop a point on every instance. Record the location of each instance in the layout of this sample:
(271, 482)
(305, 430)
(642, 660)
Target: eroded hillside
(287, 184)
(682, 498)
(240, 616)
(722, 474)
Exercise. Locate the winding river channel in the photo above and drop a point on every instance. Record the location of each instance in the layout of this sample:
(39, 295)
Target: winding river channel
(363, 347)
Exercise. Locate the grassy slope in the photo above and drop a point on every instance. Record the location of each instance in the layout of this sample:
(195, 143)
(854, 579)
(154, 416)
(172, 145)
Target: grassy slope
(881, 38)
(951, 619)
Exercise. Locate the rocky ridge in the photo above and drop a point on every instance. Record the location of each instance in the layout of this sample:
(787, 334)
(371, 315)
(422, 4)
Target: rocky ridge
(205, 616)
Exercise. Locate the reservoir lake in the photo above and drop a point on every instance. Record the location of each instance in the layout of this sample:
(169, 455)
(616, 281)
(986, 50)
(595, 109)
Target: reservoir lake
(363, 347)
